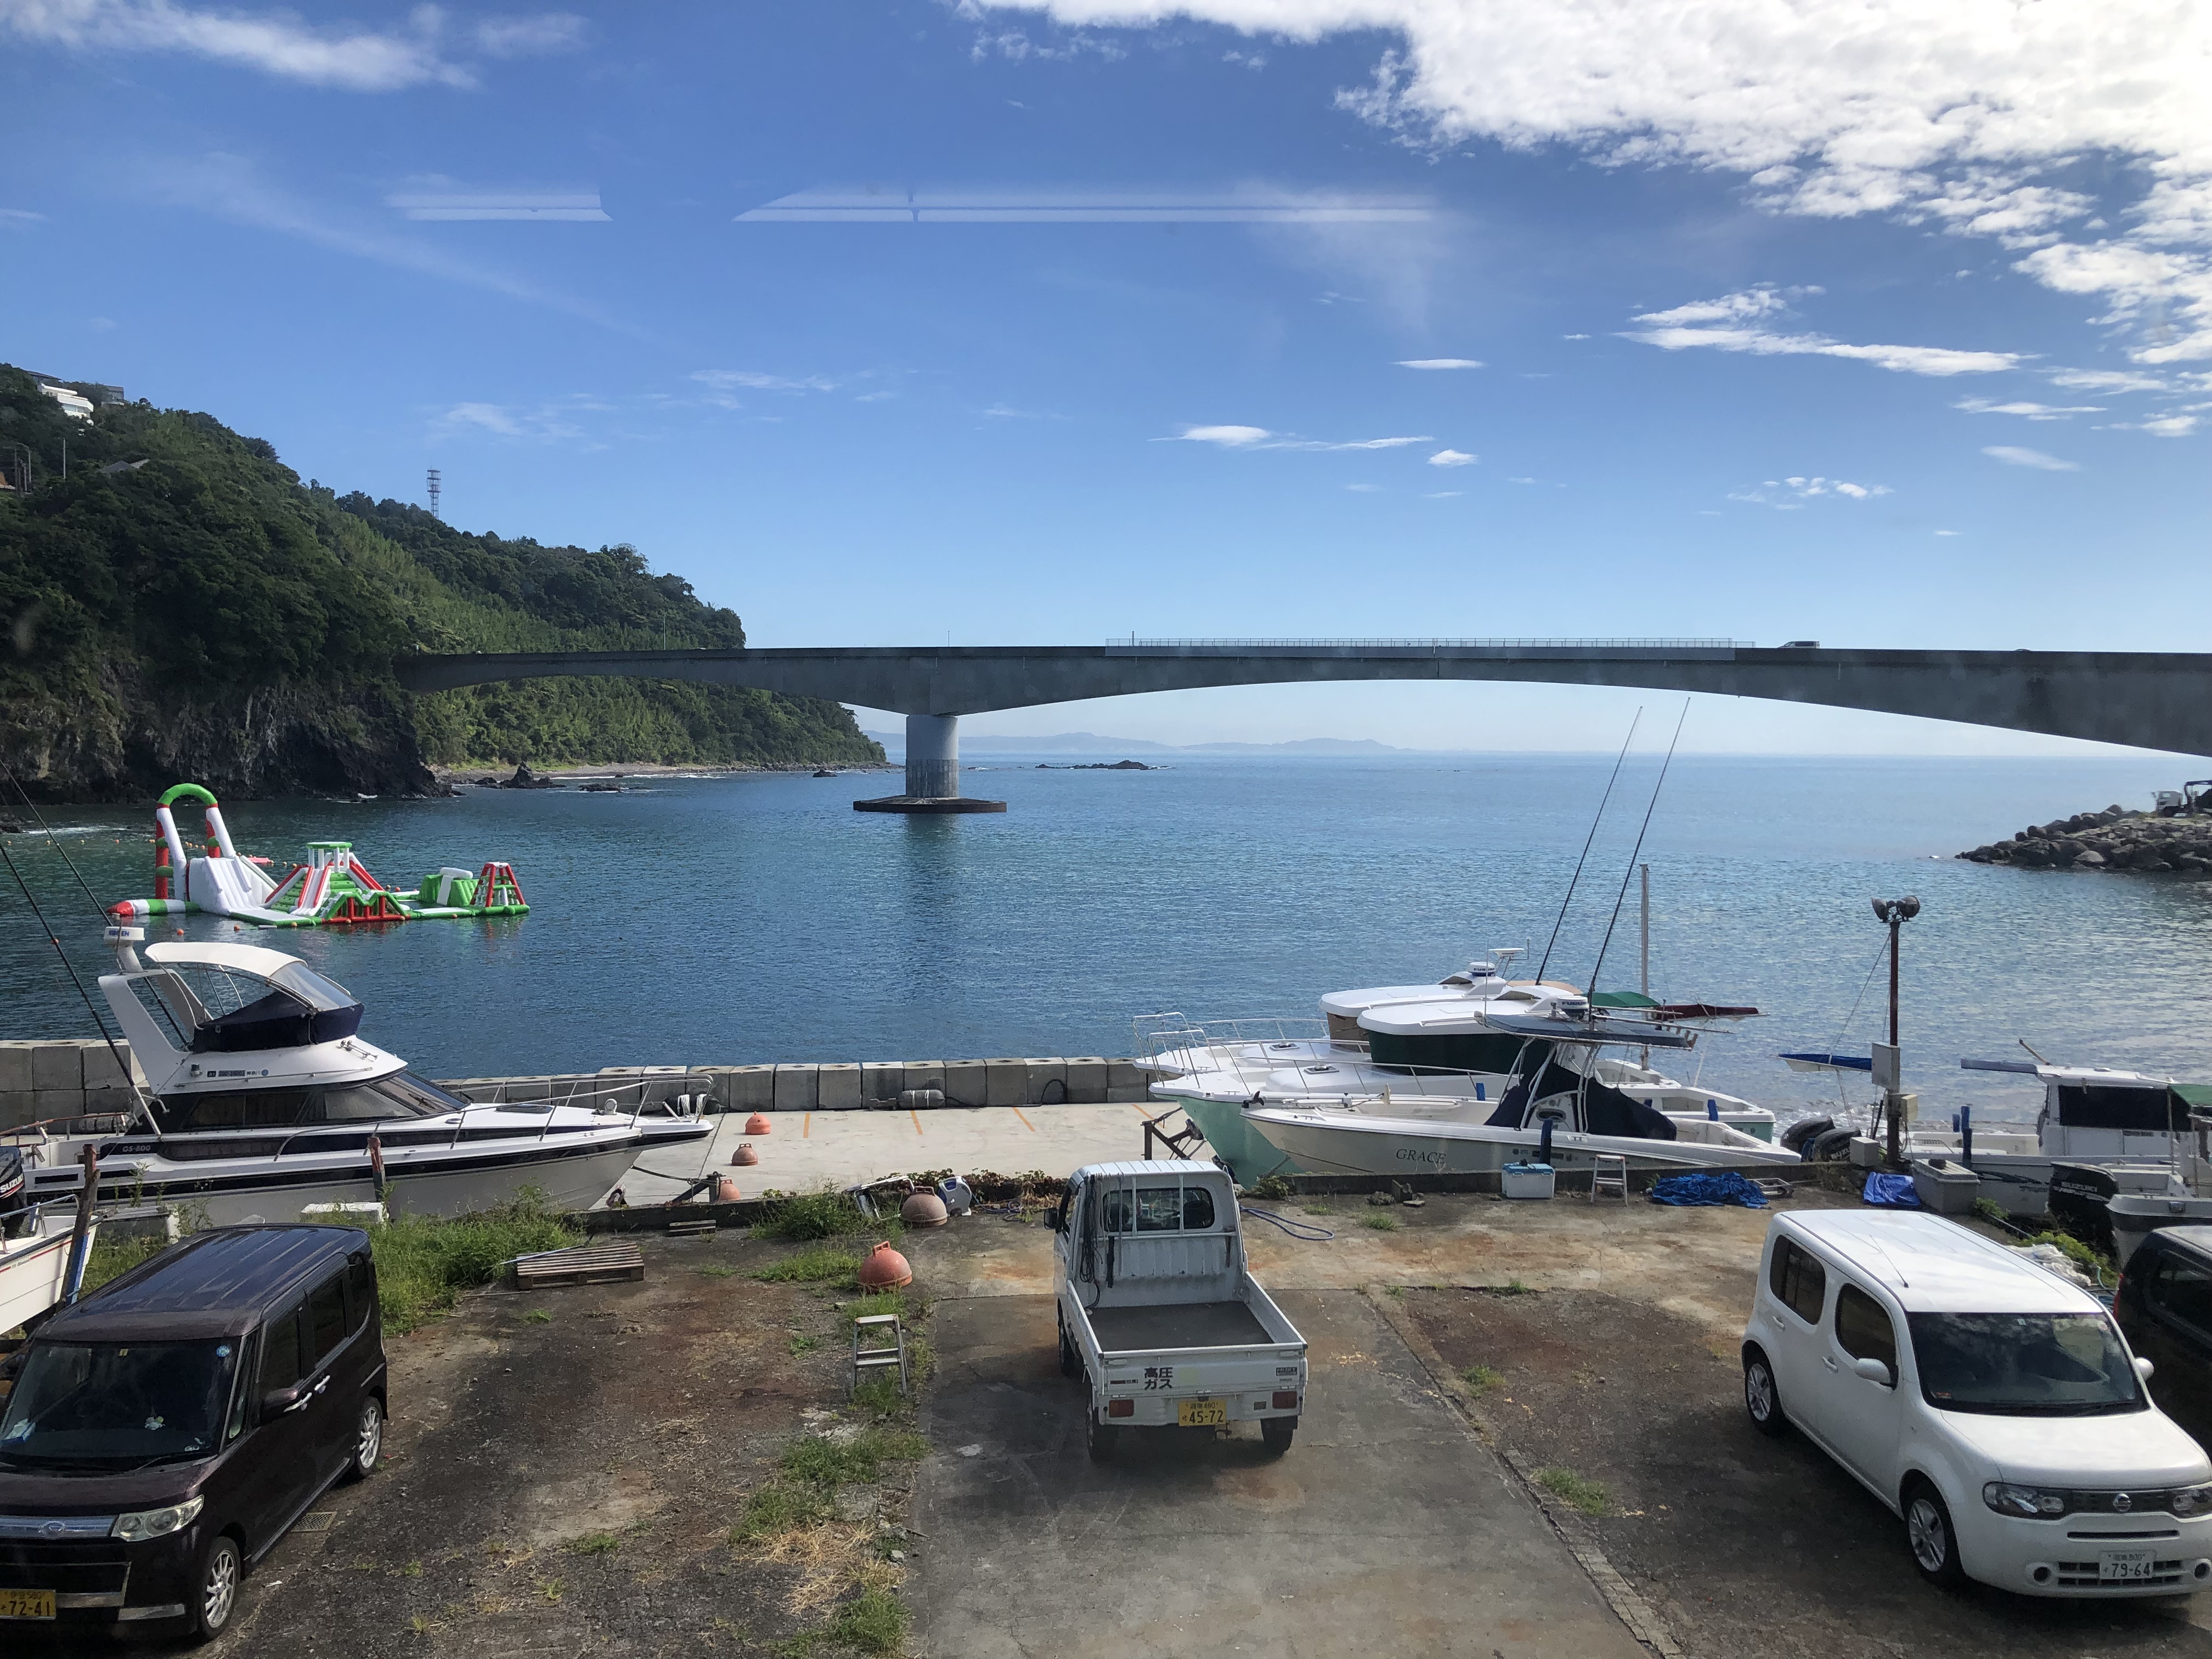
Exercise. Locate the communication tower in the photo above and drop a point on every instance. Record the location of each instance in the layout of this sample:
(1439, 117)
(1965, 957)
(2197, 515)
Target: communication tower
(434, 481)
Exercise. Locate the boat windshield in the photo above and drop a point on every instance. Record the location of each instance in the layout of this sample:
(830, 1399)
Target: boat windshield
(311, 987)
(109, 1404)
(2024, 1364)
(400, 1095)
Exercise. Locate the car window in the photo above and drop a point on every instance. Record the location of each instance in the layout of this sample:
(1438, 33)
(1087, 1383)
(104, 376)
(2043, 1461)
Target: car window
(235, 1425)
(360, 1292)
(2182, 1290)
(324, 1326)
(1862, 1328)
(1158, 1210)
(280, 1351)
(1798, 1280)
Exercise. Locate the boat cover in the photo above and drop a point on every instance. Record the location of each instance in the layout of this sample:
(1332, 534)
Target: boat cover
(1604, 1109)
(1890, 1191)
(278, 1020)
(1708, 1189)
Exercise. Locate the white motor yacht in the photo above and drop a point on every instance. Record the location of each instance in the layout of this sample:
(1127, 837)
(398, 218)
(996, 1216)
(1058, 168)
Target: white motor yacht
(1430, 1055)
(262, 1100)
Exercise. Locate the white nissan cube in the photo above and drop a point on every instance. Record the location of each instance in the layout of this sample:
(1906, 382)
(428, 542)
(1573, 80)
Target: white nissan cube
(1990, 1404)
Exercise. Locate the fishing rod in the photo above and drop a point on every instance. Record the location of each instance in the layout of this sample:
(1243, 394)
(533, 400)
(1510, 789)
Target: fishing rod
(1651, 807)
(1594, 822)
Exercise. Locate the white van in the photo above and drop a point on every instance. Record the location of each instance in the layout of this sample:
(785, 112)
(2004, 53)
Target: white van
(1990, 1404)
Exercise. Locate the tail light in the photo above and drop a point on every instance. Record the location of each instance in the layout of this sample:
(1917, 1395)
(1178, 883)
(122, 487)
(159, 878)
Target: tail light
(1120, 1408)
(1287, 1400)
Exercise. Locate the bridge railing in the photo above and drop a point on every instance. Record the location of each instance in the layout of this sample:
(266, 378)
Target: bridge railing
(1134, 642)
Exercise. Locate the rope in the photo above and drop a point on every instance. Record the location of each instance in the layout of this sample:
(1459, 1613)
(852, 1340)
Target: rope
(1304, 1230)
(1559, 921)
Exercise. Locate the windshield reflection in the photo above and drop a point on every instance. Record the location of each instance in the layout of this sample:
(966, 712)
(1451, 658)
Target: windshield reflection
(118, 1402)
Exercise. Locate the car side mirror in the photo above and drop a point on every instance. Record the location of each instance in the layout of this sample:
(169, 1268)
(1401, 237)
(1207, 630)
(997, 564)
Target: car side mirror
(1057, 1222)
(2144, 1369)
(1874, 1370)
(278, 1401)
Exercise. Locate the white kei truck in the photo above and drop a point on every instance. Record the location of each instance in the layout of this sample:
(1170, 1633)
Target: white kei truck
(1158, 1312)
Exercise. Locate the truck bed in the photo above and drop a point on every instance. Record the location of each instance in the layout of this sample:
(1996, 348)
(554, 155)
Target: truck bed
(1178, 1325)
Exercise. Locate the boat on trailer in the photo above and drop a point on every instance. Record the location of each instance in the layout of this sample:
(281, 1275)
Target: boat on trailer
(262, 1099)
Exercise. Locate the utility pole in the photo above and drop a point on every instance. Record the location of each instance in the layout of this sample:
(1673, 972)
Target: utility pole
(1894, 913)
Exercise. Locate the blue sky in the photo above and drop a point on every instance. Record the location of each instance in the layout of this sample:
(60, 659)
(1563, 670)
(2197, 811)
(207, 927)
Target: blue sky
(898, 323)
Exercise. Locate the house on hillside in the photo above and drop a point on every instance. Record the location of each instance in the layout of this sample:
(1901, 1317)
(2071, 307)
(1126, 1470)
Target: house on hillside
(72, 402)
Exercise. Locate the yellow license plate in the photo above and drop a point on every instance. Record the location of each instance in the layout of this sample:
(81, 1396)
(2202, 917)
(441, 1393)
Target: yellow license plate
(1201, 1413)
(27, 1604)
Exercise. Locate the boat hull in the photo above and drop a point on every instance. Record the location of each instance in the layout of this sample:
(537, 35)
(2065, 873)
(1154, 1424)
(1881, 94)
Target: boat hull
(31, 1274)
(1238, 1148)
(1327, 1144)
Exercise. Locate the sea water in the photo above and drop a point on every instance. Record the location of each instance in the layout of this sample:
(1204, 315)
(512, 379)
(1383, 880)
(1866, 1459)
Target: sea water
(721, 921)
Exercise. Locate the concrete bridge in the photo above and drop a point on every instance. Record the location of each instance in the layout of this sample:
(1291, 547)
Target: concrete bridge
(2152, 699)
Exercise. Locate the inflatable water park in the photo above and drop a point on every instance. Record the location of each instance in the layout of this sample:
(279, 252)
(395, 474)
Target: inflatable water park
(333, 889)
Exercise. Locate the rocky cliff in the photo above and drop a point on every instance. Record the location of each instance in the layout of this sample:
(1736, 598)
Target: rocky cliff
(2114, 839)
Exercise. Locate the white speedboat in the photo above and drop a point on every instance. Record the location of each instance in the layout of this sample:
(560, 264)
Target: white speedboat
(262, 1100)
(1430, 1055)
(1557, 1102)
(34, 1247)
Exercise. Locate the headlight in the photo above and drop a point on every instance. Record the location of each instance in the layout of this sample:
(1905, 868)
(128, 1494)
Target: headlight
(154, 1523)
(2030, 1502)
(2192, 1500)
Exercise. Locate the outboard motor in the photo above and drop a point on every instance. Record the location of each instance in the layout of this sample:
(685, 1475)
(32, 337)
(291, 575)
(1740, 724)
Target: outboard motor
(15, 1208)
(1794, 1137)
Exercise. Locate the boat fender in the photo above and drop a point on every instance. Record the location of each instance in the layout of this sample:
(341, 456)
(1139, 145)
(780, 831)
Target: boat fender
(1830, 1146)
(1797, 1134)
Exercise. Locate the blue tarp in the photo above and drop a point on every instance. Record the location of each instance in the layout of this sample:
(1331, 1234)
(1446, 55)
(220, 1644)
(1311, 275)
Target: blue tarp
(1890, 1191)
(1708, 1190)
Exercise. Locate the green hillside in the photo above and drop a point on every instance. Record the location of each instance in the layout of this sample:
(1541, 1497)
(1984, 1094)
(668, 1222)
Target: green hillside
(181, 606)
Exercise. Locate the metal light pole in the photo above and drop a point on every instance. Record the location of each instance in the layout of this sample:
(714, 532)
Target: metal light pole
(1895, 913)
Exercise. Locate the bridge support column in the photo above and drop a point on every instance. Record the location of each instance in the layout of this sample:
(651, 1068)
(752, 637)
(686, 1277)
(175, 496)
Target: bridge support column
(932, 772)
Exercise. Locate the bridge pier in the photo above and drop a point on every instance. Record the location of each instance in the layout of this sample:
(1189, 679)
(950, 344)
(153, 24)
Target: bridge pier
(932, 772)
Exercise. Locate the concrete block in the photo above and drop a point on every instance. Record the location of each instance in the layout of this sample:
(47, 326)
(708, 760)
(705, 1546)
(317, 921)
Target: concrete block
(922, 1074)
(16, 1067)
(881, 1080)
(795, 1088)
(1005, 1083)
(836, 1087)
(1121, 1097)
(1124, 1075)
(17, 1106)
(58, 1065)
(750, 1088)
(57, 1103)
(1086, 1079)
(1047, 1081)
(662, 1084)
(965, 1083)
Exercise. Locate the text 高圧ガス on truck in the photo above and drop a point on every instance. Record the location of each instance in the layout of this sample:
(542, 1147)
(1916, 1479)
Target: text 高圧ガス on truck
(1158, 1312)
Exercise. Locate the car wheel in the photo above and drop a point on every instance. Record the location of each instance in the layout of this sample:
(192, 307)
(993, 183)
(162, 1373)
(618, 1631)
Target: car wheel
(218, 1598)
(1276, 1433)
(1099, 1438)
(1928, 1531)
(1762, 1401)
(368, 1440)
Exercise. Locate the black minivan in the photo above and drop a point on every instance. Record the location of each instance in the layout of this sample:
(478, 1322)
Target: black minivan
(161, 1434)
(2165, 1309)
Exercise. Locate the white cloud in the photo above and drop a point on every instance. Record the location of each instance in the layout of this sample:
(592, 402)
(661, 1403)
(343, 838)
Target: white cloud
(1441, 494)
(1452, 458)
(484, 418)
(1945, 532)
(1574, 336)
(443, 202)
(1438, 362)
(281, 44)
(1737, 322)
(1788, 494)
(19, 218)
(2166, 426)
(1949, 113)
(2105, 379)
(1366, 489)
(2031, 411)
(1259, 437)
(726, 381)
(2013, 455)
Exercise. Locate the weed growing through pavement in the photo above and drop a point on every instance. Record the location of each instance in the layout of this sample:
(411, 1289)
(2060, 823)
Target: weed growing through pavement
(596, 1543)
(551, 1589)
(824, 1264)
(1571, 1488)
(1381, 1224)
(412, 1569)
(1481, 1378)
(538, 1317)
(823, 1215)
(802, 1344)
(1396, 1292)
(1318, 1206)
(717, 1273)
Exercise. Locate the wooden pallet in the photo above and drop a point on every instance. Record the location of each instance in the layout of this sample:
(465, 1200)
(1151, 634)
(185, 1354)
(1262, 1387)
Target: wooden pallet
(585, 1264)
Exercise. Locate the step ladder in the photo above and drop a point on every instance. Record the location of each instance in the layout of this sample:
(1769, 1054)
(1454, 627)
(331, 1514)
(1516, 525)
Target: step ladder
(1609, 1175)
(875, 1357)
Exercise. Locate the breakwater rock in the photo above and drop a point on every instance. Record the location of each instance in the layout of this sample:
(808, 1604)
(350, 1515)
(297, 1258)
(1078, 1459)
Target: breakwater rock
(2114, 839)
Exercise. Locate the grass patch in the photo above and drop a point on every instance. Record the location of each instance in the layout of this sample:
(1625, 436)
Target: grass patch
(874, 1621)
(825, 1264)
(1317, 1206)
(111, 1258)
(875, 1302)
(595, 1543)
(538, 1317)
(717, 1273)
(879, 1396)
(1482, 1379)
(801, 1344)
(1572, 1489)
(1381, 1224)
(1271, 1187)
(776, 1509)
(828, 1464)
(1990, 1210)
(817, 1215)
(423, 1263)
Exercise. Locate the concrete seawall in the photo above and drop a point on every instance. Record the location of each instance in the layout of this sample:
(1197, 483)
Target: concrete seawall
(69, 1077)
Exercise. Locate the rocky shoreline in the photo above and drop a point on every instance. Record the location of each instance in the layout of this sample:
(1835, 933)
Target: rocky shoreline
(2114, 839)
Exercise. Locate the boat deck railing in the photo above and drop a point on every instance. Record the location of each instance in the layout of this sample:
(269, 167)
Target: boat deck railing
(1248, 1052)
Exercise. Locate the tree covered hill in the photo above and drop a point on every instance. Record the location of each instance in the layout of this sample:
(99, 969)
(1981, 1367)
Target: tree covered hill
(182, 606)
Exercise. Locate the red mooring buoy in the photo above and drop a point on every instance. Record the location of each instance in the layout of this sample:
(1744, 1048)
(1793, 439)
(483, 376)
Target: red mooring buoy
(758, 1124)
(745, 1154)
(924, 1210)
(885, 1269)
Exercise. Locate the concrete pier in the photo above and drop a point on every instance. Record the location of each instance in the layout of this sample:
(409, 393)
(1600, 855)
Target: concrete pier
(932, 772)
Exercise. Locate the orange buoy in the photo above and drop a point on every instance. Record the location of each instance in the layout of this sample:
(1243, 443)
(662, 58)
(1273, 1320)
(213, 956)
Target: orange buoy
(885, 1269)
(924, 1210)
(745, 1154)
(725, 1190)
(757, 1124)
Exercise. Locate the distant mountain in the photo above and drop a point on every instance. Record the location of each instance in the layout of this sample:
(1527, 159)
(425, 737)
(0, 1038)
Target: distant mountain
(1090, 742)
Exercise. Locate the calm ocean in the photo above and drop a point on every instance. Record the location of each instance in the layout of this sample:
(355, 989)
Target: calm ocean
(723, 920)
